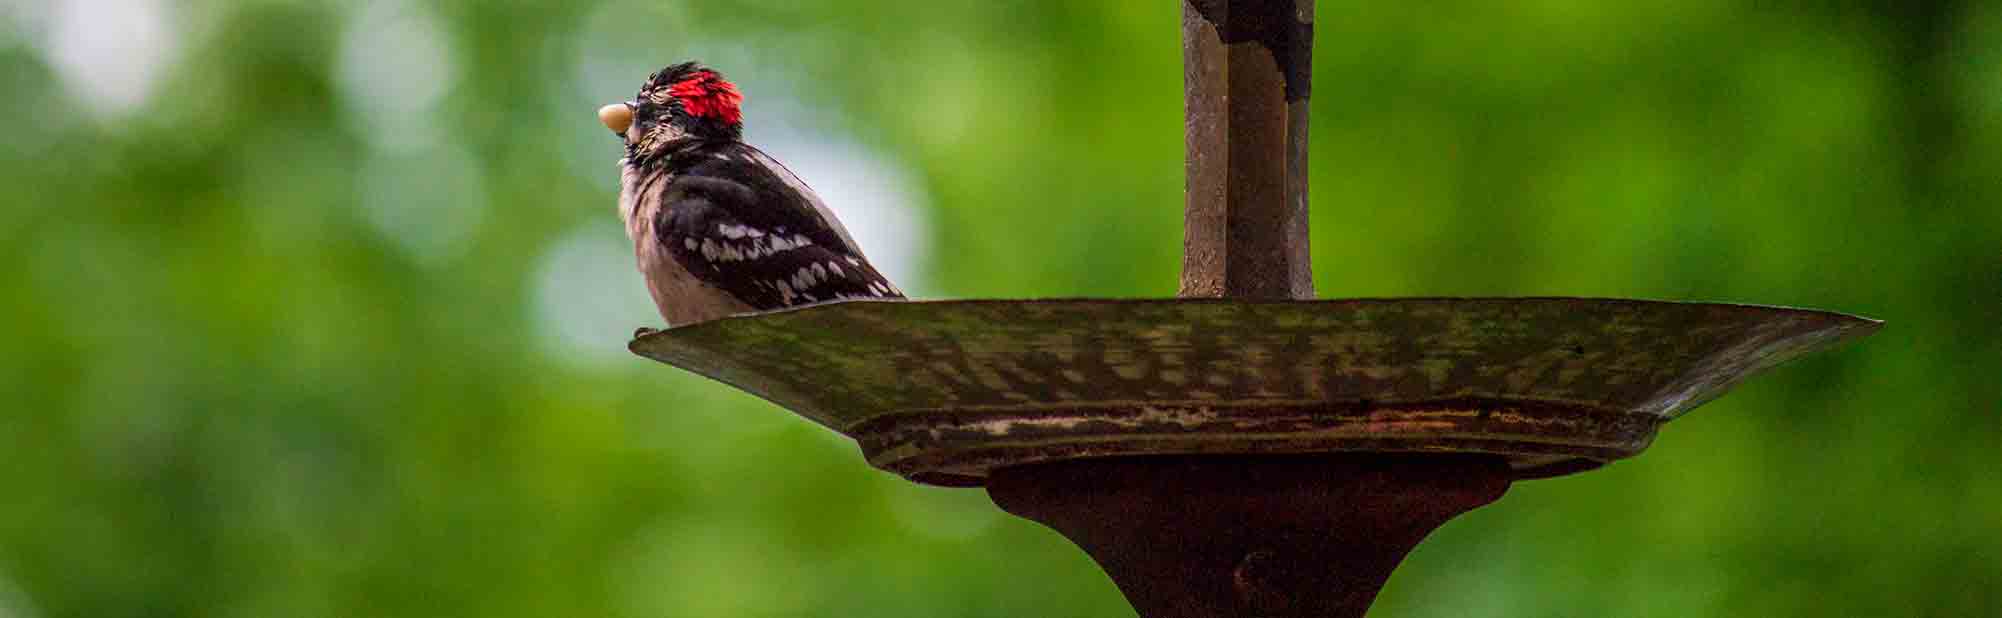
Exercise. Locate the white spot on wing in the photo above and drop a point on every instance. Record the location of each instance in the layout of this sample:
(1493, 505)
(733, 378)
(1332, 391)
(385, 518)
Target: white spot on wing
(874, 195)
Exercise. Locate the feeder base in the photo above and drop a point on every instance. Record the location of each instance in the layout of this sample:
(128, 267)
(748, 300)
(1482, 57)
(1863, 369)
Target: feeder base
(1271, 536)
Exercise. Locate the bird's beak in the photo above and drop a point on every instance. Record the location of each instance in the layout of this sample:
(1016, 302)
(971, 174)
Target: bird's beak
(617, 117)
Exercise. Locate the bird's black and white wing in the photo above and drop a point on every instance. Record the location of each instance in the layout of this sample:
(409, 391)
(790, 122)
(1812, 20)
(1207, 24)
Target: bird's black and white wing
(740, 223)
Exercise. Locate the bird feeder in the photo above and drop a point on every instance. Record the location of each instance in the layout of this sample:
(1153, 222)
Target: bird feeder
(1244, 449)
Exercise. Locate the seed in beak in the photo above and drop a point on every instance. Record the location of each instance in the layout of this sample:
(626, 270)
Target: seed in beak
(617, 117)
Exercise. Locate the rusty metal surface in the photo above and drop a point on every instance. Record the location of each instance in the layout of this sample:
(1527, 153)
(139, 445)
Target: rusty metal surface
(945, 391)
(1246, 77)
(1272, 536)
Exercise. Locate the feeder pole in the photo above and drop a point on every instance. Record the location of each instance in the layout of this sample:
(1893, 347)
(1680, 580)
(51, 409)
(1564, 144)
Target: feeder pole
(1245, 67)
(1275, 536)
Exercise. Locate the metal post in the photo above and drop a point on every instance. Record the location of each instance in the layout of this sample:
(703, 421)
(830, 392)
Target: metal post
(1246, 75)
(1276, 535)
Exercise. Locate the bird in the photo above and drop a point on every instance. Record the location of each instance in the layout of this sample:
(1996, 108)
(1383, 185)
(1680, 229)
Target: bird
(718, 227)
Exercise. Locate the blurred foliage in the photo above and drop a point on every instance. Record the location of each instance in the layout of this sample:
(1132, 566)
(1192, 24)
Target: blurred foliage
(241, 385)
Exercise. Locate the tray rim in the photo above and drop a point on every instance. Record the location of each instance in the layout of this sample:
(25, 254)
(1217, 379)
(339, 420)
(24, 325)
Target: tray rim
(1839, 328)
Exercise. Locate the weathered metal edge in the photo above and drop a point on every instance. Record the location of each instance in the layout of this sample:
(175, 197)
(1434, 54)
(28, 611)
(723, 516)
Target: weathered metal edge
(1540, 439)
(1858, 326)
(1532, 458)
(1843, 328)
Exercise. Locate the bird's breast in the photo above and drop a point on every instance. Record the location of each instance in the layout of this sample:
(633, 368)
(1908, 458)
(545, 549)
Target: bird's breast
(639, 198)
(681, 297)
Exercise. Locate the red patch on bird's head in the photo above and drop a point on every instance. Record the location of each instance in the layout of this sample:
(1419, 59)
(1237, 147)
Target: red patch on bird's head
(707, 95)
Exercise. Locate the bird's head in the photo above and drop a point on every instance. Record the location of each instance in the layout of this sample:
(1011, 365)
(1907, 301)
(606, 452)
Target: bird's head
(677, 104)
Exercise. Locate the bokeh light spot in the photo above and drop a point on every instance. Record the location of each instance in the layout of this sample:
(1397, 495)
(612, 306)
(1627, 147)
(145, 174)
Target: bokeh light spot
(111, 53)
(589, 296)
(429, 202)
(395, 65)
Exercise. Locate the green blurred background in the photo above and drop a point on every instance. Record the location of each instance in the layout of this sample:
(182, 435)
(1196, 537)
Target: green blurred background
(318, 308)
